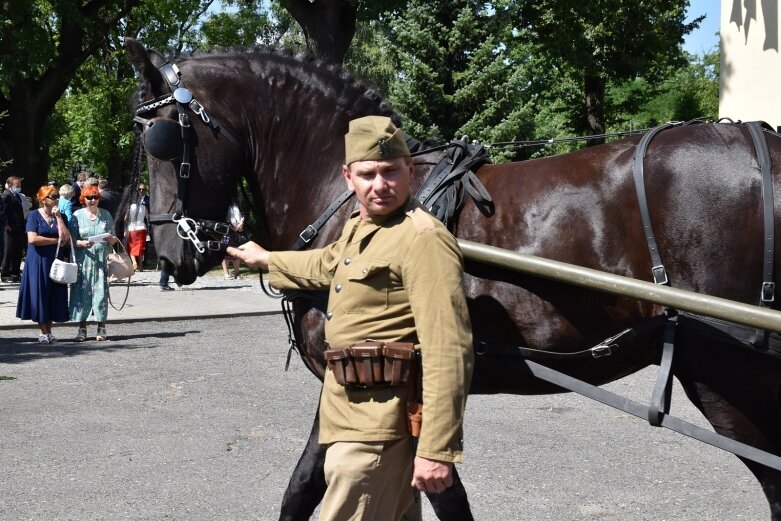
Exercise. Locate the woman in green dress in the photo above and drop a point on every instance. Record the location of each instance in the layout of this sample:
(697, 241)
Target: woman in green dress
(89, 295)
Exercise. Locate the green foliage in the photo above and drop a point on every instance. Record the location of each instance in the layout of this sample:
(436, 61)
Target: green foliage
(28, 46)
(495, 71)
(31, 32)
(686, 93)
(614, 39)
(168, 27)
(508, 70)
(446, 68)
(4, 162)
(92, 124)
(249, 22)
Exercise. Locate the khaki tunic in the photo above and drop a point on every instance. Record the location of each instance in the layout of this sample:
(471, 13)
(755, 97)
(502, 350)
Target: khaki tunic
(392, 278)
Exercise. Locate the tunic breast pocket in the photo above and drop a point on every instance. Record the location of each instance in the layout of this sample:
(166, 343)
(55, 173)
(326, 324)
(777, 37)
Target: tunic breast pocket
(369, 283)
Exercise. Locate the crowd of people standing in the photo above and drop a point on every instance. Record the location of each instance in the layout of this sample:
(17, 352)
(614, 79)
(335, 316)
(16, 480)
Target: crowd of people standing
(61, 226)
(64, 221)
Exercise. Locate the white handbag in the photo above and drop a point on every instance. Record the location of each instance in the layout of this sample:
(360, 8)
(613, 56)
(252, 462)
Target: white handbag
(64, 272)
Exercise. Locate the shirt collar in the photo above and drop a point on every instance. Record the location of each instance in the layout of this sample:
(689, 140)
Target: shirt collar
(366, 227)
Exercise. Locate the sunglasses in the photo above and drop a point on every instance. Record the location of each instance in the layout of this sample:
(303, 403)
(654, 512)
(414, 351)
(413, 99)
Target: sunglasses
(92, 198)
(52, 197)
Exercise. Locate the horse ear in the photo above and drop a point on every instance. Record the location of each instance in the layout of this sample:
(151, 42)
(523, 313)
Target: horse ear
(146, 63)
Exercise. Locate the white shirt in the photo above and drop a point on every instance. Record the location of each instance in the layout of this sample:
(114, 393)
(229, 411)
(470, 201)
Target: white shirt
(136, 217)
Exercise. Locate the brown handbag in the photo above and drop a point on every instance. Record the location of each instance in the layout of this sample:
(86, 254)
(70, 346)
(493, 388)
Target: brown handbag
(119, 265)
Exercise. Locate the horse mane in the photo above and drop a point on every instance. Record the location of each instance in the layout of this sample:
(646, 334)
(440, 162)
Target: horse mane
(319, 71)
(320, 74)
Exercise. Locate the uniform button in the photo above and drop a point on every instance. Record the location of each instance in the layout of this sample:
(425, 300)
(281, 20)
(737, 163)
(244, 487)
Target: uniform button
(338, 288)
(348, 260)
(329, 315)
(365, 270)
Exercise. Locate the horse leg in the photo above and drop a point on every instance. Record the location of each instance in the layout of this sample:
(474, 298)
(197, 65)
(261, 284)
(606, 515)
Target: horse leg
(739, 392)
(452, 503)
(306, 487)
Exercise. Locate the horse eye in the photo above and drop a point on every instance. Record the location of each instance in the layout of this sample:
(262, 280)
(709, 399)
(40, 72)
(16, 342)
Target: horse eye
(163, 139)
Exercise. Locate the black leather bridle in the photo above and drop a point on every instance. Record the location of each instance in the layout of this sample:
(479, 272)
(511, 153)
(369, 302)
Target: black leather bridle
(161, 141)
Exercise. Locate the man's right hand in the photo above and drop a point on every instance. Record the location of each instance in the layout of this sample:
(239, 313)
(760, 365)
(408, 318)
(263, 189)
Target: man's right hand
(252, 254)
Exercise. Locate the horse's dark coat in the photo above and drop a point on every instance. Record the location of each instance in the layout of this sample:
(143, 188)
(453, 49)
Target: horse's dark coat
(704, 195)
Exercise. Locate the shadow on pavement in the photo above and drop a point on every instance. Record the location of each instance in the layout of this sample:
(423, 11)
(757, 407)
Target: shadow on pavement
(26, 349)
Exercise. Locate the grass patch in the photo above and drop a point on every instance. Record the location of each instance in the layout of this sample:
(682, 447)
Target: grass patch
(7, 377)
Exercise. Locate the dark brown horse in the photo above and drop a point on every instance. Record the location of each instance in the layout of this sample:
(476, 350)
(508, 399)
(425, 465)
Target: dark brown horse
(279, 121)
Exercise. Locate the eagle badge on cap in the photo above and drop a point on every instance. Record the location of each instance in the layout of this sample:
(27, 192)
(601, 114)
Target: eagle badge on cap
(385, 149)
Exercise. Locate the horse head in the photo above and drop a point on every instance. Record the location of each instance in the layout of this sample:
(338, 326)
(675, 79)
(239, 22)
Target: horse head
(274, 118)
(194, 163)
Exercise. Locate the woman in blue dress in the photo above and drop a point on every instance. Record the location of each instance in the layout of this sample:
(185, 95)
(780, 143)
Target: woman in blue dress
(89, 295)
(40, 298)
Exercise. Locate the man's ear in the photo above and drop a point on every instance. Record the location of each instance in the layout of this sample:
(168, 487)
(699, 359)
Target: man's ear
(347, 178)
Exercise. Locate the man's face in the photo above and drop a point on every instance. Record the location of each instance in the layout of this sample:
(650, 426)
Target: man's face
(13, 184)
(142, 189)
(382, 187)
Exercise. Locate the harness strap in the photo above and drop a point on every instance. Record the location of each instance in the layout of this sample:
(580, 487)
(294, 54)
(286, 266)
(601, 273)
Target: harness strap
(607, 347)
(170, 73)
(657, 270)
(309, 233)
(188, 228)
(438, 174)
(631, 407)
(441, 191)
(662, 394)
(767, 292)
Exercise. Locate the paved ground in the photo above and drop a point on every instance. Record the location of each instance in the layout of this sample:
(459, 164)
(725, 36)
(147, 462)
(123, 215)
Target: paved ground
(196, 420)
(210, 296)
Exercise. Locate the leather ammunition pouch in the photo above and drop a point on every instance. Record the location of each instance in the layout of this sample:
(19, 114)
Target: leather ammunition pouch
(372, 364)
(375, 364)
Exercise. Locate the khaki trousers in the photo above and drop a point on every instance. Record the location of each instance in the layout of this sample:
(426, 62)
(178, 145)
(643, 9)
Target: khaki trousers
(370, 481)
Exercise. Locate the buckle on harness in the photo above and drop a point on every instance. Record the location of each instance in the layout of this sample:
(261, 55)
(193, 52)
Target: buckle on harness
(221, 228)
(768, 292)
(184, 170)
(660, 275)
(603, 350)
(186, 228)
(198, 109)
(212, 245)
(308, 234)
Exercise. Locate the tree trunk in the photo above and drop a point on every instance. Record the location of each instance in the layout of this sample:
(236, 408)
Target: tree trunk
(329, 26)
(32, 99)
(21, 137)
(594, 87)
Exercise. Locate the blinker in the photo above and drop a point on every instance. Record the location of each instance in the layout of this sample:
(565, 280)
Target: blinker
(163, 139)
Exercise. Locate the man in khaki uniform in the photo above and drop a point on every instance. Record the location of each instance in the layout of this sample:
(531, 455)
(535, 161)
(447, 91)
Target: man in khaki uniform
(395, 274)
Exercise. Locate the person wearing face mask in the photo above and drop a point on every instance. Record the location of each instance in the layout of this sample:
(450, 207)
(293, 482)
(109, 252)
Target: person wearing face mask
(89, 295)
(14, 232)
(41, 299)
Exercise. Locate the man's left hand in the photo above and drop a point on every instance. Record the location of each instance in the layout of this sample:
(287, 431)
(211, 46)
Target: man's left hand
(432, 475)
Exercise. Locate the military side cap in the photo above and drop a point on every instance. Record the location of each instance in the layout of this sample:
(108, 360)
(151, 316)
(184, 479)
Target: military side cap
(373, 138)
